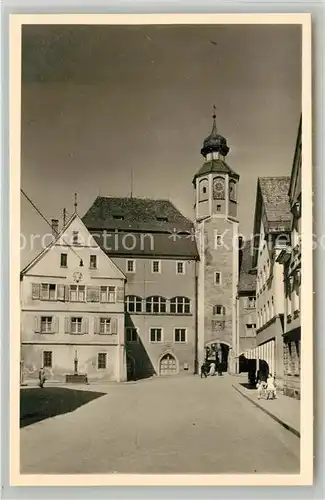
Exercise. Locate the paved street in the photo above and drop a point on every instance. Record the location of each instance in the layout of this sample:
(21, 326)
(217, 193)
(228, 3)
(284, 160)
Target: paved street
(161, 425)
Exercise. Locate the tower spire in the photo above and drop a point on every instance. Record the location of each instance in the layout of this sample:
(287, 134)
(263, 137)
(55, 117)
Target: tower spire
(214, 125)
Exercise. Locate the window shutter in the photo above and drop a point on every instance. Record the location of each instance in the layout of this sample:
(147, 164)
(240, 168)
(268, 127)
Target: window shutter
(37, 326)
(114, 325)
(36, 291)
(60, 292)
(55, 324)
(96, 325)
(85, 325)
(120, 294)
(66, 293)
(67, 325)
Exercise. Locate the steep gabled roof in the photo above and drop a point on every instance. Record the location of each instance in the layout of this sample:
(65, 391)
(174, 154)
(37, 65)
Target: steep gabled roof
(61, 236)
(247, 277)
(275, 197)
(48, 247)
(140, 214)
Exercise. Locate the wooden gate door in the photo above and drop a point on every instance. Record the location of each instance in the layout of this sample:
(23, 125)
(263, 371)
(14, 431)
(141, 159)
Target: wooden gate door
(168, 365)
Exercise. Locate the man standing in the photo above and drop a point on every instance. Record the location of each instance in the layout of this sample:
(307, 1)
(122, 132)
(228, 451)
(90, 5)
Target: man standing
(41, 377)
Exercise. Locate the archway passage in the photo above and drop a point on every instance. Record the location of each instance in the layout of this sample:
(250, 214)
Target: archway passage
(168, 365)
(218, 351)
(224, 357)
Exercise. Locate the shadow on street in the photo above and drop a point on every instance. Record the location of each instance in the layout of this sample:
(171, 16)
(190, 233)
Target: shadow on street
(247, 385)
(39, 404)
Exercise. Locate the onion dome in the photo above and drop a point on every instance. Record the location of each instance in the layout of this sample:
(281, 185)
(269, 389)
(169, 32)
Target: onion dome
(214, 142)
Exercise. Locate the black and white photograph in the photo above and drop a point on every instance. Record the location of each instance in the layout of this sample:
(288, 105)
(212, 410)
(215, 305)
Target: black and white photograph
(161, 285)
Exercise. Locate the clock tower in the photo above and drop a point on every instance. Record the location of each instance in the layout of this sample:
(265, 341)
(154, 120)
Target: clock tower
(216, 216)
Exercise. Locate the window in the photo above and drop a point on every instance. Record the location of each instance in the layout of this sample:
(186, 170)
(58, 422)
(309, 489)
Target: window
(232, 191)
(48, 291)
(105, 326)
(218, 208)
(218, 309)
(46, 324)
(250, 302)
(76, 324)
(156, 267)
(131, 334)
(47, 359)
(77, 293)
(217, 278)
(75, 237)
(107, 294)
(118, 217)
(162, 219)
(130, 266)
(64, 260)
(156, 304)
(250, 329)
(133, 304)
(204, 190)
(180, 335)
(180, 305)
(93, 262)
(155, 334)
(217, 240)
(180, 267)
(102, 360)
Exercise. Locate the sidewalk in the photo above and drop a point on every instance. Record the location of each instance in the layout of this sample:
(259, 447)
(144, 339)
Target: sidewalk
(284, 410)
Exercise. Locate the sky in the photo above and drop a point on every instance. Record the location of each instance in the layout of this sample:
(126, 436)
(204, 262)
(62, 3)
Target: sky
(100, 102)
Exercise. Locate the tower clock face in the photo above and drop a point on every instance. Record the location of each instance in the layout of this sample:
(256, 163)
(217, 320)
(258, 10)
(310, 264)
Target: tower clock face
(218, 189)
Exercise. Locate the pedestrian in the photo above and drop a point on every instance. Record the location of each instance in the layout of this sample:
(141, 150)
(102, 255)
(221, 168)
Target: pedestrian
(41, 377)
(212, 369)
(261, 386)
(204, 370)
(270, 387)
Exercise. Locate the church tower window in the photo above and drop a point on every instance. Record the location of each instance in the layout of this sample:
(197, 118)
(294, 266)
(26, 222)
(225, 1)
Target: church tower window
(232, 191)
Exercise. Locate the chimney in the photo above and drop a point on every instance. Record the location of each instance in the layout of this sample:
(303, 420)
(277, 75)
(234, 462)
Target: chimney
(55, 227)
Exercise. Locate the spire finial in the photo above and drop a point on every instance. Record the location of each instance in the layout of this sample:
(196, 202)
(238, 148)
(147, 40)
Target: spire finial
(75, 203)
(214, 112)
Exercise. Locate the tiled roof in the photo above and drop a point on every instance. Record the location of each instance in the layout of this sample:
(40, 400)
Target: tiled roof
(141, 214)
(137, 243)
(275, 196)
(141, 226)
(218, 166)
(247, 278)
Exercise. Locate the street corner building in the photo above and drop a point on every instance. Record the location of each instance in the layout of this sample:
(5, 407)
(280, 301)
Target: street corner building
(72, 310)
(290, 258)
(216, 219)
(154, 246)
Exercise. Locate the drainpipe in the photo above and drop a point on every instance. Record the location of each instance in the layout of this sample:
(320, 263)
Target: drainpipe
(196, 347)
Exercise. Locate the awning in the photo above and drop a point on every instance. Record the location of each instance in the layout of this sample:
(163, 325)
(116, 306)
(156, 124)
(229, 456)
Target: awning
(265, 352)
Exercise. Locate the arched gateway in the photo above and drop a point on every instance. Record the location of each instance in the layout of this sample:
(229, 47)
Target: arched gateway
(218, 349)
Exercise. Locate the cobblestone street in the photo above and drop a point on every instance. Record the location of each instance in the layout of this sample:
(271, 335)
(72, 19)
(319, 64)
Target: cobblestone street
(161, 425)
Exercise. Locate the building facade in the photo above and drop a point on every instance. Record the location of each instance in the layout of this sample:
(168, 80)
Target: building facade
(154, 245)
(271, 232)
(246, 299)
(72, 310)
(216, 218)
(290, 258)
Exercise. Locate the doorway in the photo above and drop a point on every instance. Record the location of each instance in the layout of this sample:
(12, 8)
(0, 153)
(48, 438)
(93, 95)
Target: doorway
(168, 365)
